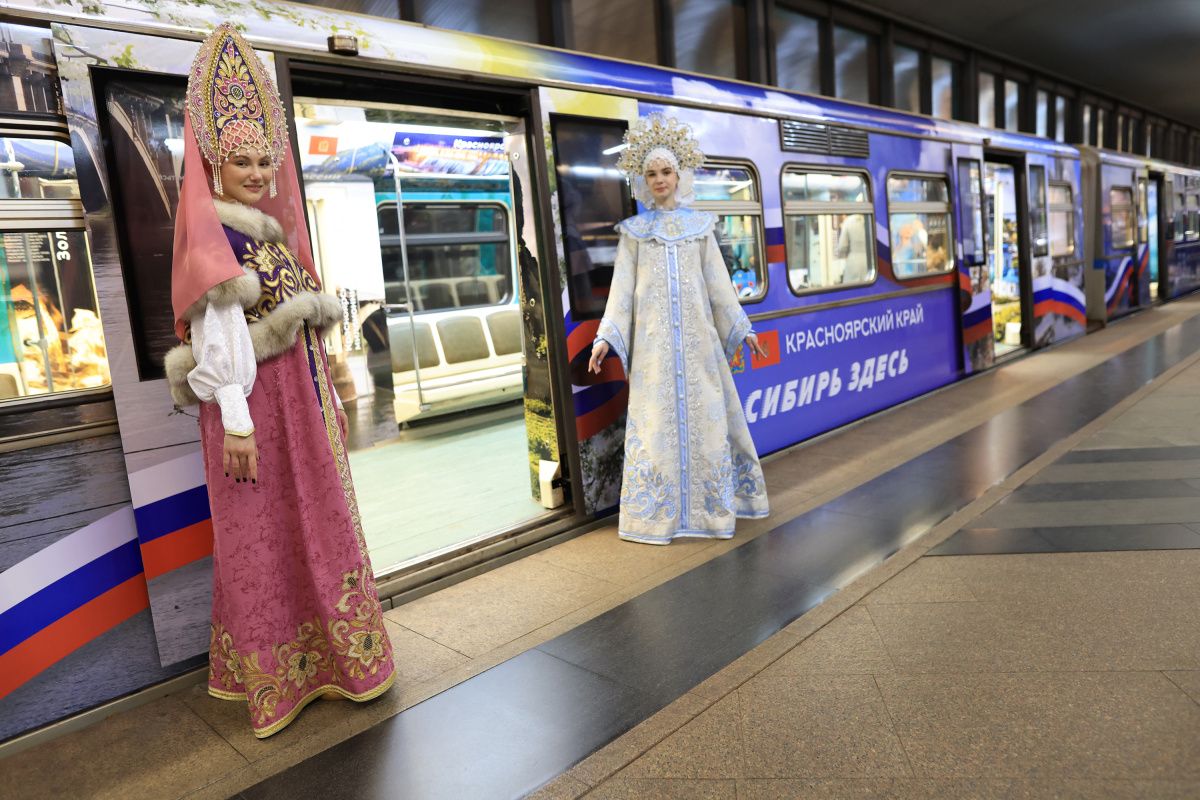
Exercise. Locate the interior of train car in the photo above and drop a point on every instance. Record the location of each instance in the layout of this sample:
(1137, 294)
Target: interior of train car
(1003, 232)
(411, 210)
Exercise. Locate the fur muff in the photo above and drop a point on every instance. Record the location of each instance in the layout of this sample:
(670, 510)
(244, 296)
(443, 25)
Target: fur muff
(249, 220)
(270, 336)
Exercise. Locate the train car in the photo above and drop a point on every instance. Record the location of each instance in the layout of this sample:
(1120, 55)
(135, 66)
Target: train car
(1172, 200)
(1143, 245)
(880, 256)
(435, 253)
(461, 193)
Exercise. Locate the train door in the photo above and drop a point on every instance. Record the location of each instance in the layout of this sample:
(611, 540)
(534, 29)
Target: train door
(423, 214)
(586, 133)
(1157, 239)
(1007, 253)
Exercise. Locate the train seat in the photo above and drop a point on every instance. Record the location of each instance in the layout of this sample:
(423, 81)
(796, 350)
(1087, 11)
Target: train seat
(462, 339)
(464, 363)
(505, 328)
(401, 342)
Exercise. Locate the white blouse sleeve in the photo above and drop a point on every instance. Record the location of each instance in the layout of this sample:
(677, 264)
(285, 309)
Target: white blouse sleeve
(225, 368)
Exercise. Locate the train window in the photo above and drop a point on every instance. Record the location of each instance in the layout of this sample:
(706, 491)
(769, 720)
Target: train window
(1121, 216)
(1062, 220)
(51, 340)
(1193, 217)
(970, 201)
(731, 192)
(458, 254)
(1180, 221)
(1037, 209)
(919, 222)
(28, 71)
(36, 169)
(829, 224)
(593, 196)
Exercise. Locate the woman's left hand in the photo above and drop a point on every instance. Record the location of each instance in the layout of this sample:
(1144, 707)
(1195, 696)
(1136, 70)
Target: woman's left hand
(343, 423)
(755, 348)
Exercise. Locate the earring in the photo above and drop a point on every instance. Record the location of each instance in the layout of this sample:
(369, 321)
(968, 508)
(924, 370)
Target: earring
(274, 190)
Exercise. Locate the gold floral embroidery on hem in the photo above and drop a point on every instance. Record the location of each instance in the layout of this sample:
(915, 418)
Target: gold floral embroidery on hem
(353, 648)
(223, 695)
(283, 722)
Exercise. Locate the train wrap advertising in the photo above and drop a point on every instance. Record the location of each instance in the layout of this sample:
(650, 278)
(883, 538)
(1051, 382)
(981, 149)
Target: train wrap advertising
(824, 370)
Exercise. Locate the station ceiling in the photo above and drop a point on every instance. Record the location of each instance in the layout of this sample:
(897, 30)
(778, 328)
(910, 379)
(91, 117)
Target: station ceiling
(1146, 52)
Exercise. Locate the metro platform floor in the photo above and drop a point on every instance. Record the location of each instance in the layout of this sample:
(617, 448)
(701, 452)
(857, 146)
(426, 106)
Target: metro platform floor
(939, 606)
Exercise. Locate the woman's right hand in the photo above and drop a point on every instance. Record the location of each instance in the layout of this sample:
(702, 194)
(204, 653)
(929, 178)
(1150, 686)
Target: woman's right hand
(241, 458)
(599, 351)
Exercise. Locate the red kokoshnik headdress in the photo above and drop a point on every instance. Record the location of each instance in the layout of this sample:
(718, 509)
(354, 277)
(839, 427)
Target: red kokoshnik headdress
(232, 107)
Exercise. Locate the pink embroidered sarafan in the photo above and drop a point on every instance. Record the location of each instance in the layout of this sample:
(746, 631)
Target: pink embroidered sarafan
(296, 613)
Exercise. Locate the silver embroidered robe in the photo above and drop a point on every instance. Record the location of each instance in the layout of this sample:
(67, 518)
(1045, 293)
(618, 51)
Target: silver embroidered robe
(674, 320)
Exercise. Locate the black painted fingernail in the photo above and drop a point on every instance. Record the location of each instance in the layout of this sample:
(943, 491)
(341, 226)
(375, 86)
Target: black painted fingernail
(254, 481)
(226, 474)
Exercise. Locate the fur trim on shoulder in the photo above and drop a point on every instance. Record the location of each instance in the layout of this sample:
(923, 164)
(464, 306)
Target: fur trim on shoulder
(178, 362)
(270, 336)
(248, 220)
(277, 332)
(245, 290)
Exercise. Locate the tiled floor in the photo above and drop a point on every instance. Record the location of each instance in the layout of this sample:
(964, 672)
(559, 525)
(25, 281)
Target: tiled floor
(539, 619)
(1069, 667)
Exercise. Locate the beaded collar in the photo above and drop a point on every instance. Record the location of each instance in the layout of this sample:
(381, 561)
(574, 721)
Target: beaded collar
(669, 227)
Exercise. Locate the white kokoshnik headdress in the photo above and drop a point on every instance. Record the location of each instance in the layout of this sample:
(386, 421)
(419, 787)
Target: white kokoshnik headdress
(655, 138)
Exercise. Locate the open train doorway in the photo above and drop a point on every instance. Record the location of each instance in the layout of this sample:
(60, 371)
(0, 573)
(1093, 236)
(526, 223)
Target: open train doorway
(1151, 191)
(1004, 224)
(419, 219)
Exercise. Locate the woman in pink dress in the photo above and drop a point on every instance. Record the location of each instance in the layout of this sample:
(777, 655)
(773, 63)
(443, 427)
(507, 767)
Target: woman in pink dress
(295, 611)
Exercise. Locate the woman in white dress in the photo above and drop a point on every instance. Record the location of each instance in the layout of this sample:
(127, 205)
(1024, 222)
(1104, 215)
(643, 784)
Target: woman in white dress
(674, 321)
